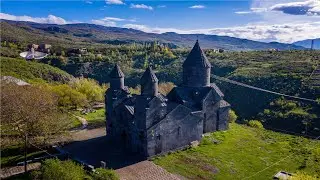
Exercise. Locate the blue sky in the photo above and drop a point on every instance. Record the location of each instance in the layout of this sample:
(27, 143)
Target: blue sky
(270, 20)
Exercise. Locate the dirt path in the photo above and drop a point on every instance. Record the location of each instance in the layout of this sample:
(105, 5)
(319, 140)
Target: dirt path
(145, 170)
(83, 121)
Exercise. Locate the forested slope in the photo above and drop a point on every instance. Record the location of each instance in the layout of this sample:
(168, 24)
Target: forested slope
(32, 71)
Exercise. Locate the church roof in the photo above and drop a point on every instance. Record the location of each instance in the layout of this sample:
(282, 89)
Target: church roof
(162, 97)
(130, 109)
(223, 104)
(190, 97)
(148, 76)
(217, 89)
(196, 58)
(116, 72)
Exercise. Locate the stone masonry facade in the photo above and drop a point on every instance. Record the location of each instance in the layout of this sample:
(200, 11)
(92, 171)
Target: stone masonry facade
(151, 123)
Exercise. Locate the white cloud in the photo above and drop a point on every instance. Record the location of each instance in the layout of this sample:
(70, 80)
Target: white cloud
(110, 21)
(103, 23)
(243, 12)
(286, 33)
(273, 16)
(51, 19)
(88, 2)
(252, 10)
(197, 7)
(141, 6)
(118, 2)
(309, 7)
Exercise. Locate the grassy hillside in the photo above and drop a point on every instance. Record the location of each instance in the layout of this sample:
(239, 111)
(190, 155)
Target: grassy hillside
(77, 35)
(243, 151)
(32, 71)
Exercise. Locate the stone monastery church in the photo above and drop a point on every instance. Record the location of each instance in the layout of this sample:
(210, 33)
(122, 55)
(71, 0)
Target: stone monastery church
(151, 123)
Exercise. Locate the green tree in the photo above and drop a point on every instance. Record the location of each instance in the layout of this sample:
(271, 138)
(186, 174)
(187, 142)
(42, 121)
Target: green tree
(31, 111)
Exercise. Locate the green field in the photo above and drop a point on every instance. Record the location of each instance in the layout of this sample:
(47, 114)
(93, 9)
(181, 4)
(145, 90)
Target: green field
(243, 151)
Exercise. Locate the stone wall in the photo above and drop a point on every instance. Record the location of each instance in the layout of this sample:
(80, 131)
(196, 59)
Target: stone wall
(178, 129)
(196, 76)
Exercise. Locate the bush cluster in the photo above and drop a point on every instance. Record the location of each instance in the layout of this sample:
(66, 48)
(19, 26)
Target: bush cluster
(54, 169)
(255, 124)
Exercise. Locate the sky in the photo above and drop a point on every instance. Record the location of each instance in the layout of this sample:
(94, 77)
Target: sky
(284, 21)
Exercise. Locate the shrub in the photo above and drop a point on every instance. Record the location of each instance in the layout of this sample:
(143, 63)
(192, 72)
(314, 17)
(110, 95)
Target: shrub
(302, 176)
(54, 169)
(232, 116)
(255, 124)
(104, 174)
(89, 87)
(68, 97)
(205, 141)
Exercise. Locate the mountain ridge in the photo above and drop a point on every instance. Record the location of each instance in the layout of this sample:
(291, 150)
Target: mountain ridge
(82, 33)
(307, 43)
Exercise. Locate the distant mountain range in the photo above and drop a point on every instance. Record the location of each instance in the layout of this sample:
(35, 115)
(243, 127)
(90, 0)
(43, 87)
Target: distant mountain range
(77, 35)
(307, 43)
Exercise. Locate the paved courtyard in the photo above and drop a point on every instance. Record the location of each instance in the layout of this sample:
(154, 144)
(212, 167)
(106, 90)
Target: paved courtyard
(145, 170)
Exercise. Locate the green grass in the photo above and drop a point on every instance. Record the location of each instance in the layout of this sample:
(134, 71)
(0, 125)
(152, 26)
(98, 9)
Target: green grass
(242, 152)
(94, 119)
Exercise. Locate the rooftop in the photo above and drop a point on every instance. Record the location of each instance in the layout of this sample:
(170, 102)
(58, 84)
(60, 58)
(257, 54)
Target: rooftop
(148, 76)
(196, 57)
(116, 72)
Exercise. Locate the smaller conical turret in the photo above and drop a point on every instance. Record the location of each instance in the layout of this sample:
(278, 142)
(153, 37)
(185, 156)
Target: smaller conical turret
(149, 83)
(116, 78)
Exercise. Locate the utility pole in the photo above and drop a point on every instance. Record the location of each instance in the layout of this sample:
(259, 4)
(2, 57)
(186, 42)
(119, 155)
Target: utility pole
(25, 152)
(312, 43)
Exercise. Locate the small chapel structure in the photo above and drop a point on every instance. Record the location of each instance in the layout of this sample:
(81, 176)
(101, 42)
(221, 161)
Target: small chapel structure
(151, 123)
